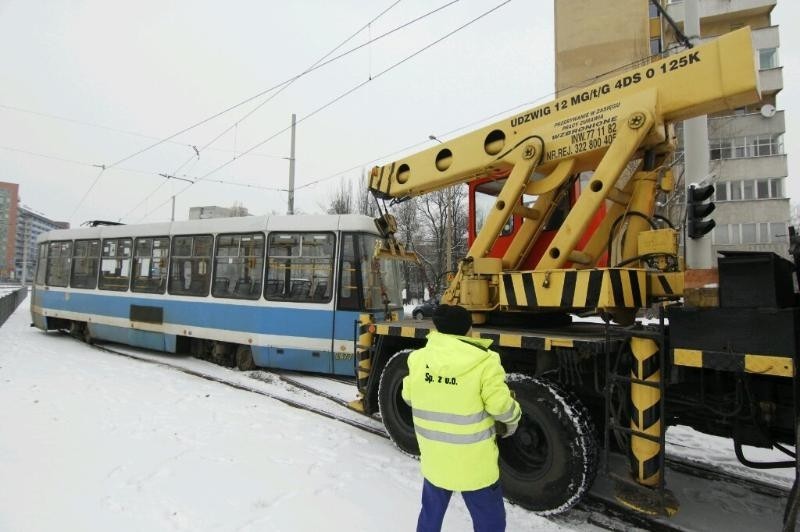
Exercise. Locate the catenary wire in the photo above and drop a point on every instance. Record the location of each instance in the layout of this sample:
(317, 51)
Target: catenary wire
(360, 85)
(278, 85)
(318, 64)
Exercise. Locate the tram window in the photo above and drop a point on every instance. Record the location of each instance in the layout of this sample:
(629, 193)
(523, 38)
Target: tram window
(300, 267)
(85, 264)
(41, 266)
(59, 257)
(349, 294)
(239, 266)
(190, 272)
(150, 265)
(115, 265)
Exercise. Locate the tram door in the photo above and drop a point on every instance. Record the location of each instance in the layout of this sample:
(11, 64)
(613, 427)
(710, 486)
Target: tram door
(367, 286)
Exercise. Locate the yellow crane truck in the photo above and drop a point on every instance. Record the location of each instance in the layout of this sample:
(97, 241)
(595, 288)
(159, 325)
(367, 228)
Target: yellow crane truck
(720, 357)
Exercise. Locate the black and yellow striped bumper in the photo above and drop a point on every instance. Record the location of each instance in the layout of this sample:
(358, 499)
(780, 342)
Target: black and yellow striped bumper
(775, 365)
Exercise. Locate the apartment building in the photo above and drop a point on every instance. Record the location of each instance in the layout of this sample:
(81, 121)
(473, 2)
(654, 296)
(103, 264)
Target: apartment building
(19, 228)
(748, 160)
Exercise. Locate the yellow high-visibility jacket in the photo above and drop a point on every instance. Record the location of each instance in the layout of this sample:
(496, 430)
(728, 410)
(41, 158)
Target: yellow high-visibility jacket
(456, 389)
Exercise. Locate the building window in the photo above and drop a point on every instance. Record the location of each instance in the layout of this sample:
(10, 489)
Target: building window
(190, 267)
(721, 234)
(748, 233)
(779, 232)
(85, 263)
(736, 190)
(721, 192)
(749, 189)
(300, 266)
(150, 265)
(115, 266)
(767, 58)
(239, 266)
(655, 46)
(762, 189)
(749, 146)
(59, 257)
(764, 234)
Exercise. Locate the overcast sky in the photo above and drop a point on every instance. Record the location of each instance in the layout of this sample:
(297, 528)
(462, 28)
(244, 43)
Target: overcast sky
(88, 83)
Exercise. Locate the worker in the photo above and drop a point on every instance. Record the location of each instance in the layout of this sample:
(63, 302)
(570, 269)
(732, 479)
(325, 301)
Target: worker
(459, 399)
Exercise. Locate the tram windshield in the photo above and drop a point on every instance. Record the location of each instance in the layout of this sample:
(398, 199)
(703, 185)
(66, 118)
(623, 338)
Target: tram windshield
(368, 282)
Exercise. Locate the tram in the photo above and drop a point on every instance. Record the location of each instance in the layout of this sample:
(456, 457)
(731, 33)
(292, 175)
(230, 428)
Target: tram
(288, 292)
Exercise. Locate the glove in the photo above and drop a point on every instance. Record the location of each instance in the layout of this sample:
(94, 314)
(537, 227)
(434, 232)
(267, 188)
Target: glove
(503, 430)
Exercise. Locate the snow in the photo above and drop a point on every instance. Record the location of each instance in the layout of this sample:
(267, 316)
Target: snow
(93, 441)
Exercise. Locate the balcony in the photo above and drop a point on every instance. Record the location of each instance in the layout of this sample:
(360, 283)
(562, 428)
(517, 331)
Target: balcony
(749, 124)
(770, 81)
(751, 167)
(719, 10)
(766, 38)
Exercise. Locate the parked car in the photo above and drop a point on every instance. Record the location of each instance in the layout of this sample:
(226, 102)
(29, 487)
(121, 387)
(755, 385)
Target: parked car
(425, 310)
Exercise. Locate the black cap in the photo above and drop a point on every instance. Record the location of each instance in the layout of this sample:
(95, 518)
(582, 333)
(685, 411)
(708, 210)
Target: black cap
(452, 319)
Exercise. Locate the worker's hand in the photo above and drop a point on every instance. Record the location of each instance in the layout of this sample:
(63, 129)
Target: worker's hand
(503, 430)
(510, 430)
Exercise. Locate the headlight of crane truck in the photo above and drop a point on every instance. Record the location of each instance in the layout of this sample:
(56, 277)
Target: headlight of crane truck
(615, 385)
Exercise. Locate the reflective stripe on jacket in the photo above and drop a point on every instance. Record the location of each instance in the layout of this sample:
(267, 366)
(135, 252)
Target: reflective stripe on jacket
(456, 388)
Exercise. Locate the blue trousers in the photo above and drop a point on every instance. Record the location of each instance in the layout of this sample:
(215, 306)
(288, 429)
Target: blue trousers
(485, 506)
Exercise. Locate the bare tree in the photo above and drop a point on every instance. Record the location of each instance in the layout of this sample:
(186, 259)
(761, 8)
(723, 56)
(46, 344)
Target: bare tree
(365, 203)
(341, 201)
(443, 225)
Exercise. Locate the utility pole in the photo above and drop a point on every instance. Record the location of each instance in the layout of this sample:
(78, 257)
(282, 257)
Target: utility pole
(291, 168)
(695, 145)
(172, 218)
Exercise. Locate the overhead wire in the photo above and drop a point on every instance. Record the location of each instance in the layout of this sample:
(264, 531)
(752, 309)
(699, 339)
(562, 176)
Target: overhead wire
(363, 83)
(282, 83)
(115, 130)
(317, 64)
(347, 93)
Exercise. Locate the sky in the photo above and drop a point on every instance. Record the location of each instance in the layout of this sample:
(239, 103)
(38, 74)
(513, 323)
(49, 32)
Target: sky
(88, 84)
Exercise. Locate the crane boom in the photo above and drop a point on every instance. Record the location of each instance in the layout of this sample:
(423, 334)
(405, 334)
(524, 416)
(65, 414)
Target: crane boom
(601, 128)
(581, 125)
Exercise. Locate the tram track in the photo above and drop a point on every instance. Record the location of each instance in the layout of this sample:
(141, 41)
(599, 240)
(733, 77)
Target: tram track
(598, 509)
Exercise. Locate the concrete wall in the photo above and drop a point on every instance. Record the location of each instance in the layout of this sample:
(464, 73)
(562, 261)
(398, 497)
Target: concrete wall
(593, 38)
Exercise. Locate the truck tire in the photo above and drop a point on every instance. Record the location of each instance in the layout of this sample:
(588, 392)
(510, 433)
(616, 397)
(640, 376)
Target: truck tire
(551, 460)
(395, 413)
(244, 358)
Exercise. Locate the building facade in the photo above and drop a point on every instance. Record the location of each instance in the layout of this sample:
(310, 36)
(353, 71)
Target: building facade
(214, 211)
(748, 160)
(30, 225)
(9, 200)
(19, 228)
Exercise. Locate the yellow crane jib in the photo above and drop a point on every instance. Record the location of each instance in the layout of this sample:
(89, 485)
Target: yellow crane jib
(599, 128)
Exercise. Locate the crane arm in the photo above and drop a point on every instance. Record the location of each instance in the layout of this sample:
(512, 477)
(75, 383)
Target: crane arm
(581, 125)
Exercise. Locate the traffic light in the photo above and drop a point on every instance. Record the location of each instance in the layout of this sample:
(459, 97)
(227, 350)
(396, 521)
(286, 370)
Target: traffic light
(696, 210)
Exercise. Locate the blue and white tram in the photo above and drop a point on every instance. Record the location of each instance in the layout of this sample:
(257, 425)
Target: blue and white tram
(279, 291)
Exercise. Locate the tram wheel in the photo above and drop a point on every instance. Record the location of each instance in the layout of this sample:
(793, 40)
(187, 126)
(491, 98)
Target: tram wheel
(244, 358)
(395, 413)
(551, 461)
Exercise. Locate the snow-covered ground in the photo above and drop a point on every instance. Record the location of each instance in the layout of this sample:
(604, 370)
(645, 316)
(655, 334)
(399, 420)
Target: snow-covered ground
(95, 442)
(91, 441)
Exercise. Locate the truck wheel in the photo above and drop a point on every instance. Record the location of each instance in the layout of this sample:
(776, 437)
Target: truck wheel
(244, 358)
(395, 413)
(551, 461)
(418, 315)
